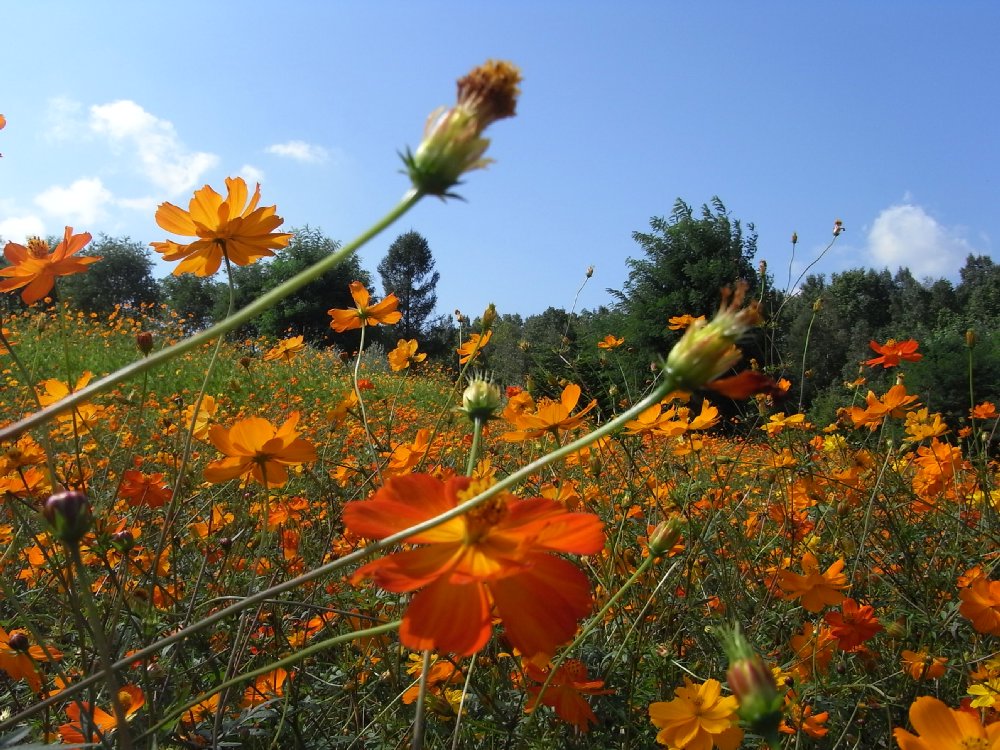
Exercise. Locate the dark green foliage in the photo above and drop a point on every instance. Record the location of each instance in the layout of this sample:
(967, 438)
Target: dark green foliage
(688, 260)
(304, 312)
(192, 297)
(408, 272)
(123, 277)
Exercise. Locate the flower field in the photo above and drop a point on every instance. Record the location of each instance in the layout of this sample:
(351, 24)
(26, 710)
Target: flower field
(214, 542)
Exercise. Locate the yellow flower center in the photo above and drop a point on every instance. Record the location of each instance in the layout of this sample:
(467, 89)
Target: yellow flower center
(480, 520)
(975, 743)
(38, 248)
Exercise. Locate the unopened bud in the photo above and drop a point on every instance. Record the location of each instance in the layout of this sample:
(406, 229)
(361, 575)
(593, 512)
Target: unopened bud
(818, 304)
(481, 398)
(245, 362)
(590, 271)
(69, 514)
(123, 541)
(795, 238)
(753, 684)
(144, 341)
(838, 227)
(18, 641)
(489, 316)
(970, 338)
(665, 536)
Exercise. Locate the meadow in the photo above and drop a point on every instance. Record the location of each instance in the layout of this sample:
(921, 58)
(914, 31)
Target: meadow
(214, 542)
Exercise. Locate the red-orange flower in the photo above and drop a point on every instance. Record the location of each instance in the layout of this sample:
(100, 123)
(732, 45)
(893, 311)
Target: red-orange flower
(383, 312)
(922, 666)
(496, 556)
(610, 342)
(981, 604)
(148, 489)
(18, 658)
(253, 446)
(35, 268)
(893, 352)
(565, 692)
(853, 625)
(816, 590)
(227, 226)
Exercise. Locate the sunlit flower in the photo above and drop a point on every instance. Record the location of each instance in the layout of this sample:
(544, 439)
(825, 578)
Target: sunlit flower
(286, 349)
(384, 312)
(981, 604)
(253, 446)
(699, 718)
(816, 590)
(88, 724)
(565, 692)
(404, 355)
(944, 728)
(144, 489)
(802, 719)
(228, 226)
(610, 342)
(893, 352)
(472, 345)
(35, 269)
(497, 556)
(453, 142)
(266, 687)
(681, 322)
(985, 410)
(813, 649)
(894, 403)
(550, 416)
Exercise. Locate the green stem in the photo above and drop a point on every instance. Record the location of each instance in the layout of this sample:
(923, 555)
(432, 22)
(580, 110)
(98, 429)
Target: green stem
(242, 316)
(665, 386)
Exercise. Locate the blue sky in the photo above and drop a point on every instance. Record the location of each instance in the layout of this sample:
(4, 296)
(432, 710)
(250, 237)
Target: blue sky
(881, 114)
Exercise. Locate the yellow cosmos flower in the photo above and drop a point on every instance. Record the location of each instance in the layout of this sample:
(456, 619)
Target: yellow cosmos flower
(944, 728)
(227, 226)
(699, 718)
(253, 446)
(404, 355)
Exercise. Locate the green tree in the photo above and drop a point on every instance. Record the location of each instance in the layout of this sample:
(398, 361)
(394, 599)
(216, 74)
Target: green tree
(123, 276)
(408, 272)
(687, 260)
(192, 298)
(303, 312)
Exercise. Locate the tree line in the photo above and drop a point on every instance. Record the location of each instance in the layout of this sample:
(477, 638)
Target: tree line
(815, 336)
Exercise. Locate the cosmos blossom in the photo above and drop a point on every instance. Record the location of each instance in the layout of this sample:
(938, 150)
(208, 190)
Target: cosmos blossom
(34, 269)
(497, 557)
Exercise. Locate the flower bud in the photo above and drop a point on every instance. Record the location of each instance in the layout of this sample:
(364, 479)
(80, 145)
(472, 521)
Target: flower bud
(123, 541)
(838, 227)
(18, 641)
(753, 684)
(144, 341)
(970, 338)
(453, 142)
(69, 514)
(489, 316)
(481, 398)
(245, 362)
(665, 536)
(708, 349)
(590, 271)
(795, 238)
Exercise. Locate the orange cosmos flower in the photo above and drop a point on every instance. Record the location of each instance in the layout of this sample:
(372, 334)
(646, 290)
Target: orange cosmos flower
(817, 590)
(944, 728)
(285, 350)
(18, 658)
(85, 726)
(853, 625)
(610, 342)
(894, 403)
(985, 410)
(680, 322)
(227, 226)
(404, 355)
(550, 416)
(922, 666)
(149, 489)
(35, 269)
(471, 346)
(981, 604)
(496, 556)
(383, 312)
(565, 692)
(253, 446)
(699, 718)
(893, 352)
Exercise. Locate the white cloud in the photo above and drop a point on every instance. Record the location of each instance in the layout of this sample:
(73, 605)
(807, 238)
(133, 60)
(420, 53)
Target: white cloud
(251, 174)
(163, 159)
(81, 203)
(906, 235)
(145, 205)
(19, 228)
(299, 151)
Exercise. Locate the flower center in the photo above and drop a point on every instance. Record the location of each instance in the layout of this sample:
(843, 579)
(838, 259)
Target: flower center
(480, 520)
(975, 743)
(38, 248)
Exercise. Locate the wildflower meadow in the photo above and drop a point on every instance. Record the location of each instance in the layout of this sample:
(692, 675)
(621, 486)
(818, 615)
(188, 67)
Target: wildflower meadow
(211, 540)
